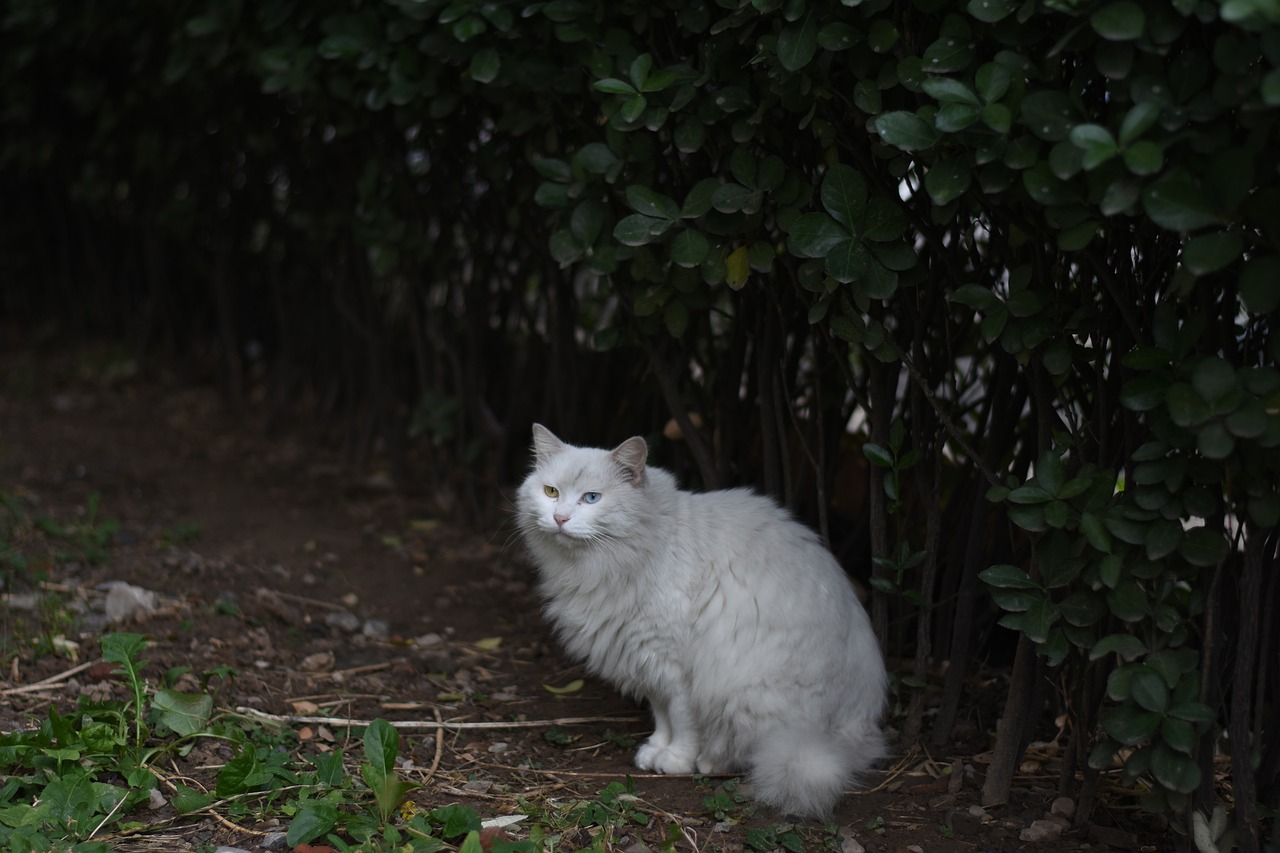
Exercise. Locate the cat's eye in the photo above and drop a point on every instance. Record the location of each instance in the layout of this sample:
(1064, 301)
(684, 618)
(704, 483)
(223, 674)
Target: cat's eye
(552, 491)
(590, 497)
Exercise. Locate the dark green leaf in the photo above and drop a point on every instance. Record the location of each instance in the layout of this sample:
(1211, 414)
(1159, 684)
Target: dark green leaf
(848, 261)
(813, 235)
(1127, 646)
(1260, 284)
(651, 203)
(485, 65)
(1128, 602)
(1148, 689)
(1004, 576)
(636, 229)
(614, 86)
(1211, 252)
(906, 130)
(1203, 547)
(690, 248)
(991, 11)
(947, 180)
(1129, 724)
(313, 820)
(1122, 20)
(878, 455)
(1174, 770)
(844, 194)
(1178, 203)
(797, 42)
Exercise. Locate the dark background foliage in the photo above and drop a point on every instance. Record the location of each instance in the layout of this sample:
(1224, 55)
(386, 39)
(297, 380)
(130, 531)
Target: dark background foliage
(985, 291)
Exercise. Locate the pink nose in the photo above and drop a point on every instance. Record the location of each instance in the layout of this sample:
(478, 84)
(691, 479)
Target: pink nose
(561, 519)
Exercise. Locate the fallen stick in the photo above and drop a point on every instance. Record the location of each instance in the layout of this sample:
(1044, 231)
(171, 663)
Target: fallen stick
(51, 680)
(432, 725)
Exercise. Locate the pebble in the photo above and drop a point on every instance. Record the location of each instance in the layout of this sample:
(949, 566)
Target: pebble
(1064, 807)
(1042, 830)
(343, 620)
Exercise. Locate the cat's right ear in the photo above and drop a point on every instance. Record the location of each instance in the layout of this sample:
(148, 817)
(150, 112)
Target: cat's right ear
(631, 455)
(545, 444)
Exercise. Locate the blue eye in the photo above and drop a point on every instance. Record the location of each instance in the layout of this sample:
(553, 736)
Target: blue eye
(590, 497)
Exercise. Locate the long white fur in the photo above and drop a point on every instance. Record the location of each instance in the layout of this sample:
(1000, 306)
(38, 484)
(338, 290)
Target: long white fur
(729, 617)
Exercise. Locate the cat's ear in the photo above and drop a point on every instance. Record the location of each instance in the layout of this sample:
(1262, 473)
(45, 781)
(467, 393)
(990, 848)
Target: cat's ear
(545, 444)
(631, 455)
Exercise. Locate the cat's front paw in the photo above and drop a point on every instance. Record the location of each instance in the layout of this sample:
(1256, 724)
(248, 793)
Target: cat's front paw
(668, 758)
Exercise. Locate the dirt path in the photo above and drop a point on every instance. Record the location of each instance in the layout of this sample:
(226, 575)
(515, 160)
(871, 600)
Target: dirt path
(332, 596)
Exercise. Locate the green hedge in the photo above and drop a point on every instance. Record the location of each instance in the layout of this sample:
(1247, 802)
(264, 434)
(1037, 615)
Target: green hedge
(1018, 261)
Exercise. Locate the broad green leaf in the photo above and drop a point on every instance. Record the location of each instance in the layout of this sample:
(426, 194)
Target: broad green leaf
(991, 11)
(1174, 770)
(1148, 689)
(614, 86)
(1203, 546)
(485, 65)
(690, 248)
(1137, 121)
(947, 180)
(1122, 20)
(883, 221)
(1177, 202)
(848, 261)
(1127, 646)
(906, 130)
(1209, 253)
(813, 235)
(636, 229)
(844, 194)
(948, 90)
(1260, 284)
(1129, 724)
(1144, 158)
(184, 713)
(651, 203)
(992, 82)
(1048, 114)
(797, 42)
(1002, 576)
(879, 456)
(314, 819)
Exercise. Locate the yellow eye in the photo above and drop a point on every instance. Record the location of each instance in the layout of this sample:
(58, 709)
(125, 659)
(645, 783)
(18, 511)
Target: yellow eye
(552, 491)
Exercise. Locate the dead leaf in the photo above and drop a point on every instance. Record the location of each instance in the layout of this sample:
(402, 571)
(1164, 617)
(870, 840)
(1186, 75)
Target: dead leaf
(489, 644)
(572, 687)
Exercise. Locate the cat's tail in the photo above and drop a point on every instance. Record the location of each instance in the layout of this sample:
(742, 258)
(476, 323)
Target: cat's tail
(804, 772)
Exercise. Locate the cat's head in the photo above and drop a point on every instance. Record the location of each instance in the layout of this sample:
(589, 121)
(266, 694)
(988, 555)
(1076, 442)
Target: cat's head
(577, 496)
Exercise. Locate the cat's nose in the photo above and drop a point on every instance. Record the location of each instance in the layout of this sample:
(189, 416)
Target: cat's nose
(560, 519)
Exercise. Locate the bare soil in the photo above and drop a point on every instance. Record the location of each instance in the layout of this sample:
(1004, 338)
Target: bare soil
(335, 597)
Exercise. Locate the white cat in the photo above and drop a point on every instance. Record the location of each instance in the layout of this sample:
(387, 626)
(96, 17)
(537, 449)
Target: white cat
(729, 617)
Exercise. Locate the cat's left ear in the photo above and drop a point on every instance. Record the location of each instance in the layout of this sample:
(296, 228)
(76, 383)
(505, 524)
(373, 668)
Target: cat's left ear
(631, 455)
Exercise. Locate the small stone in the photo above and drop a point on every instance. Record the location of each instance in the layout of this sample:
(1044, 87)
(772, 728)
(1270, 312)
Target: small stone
(128, 603)
(1064, 807)
(500, 746)
(426, 641)
(376, 629)
(318, 662)
(848, 843)
(274, 841)
(980, 813)
(343, 620)
(1041, 830)
(156, 800)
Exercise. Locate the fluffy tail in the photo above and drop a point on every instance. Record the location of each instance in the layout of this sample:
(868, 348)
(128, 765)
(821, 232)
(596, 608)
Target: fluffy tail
(804, 773)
